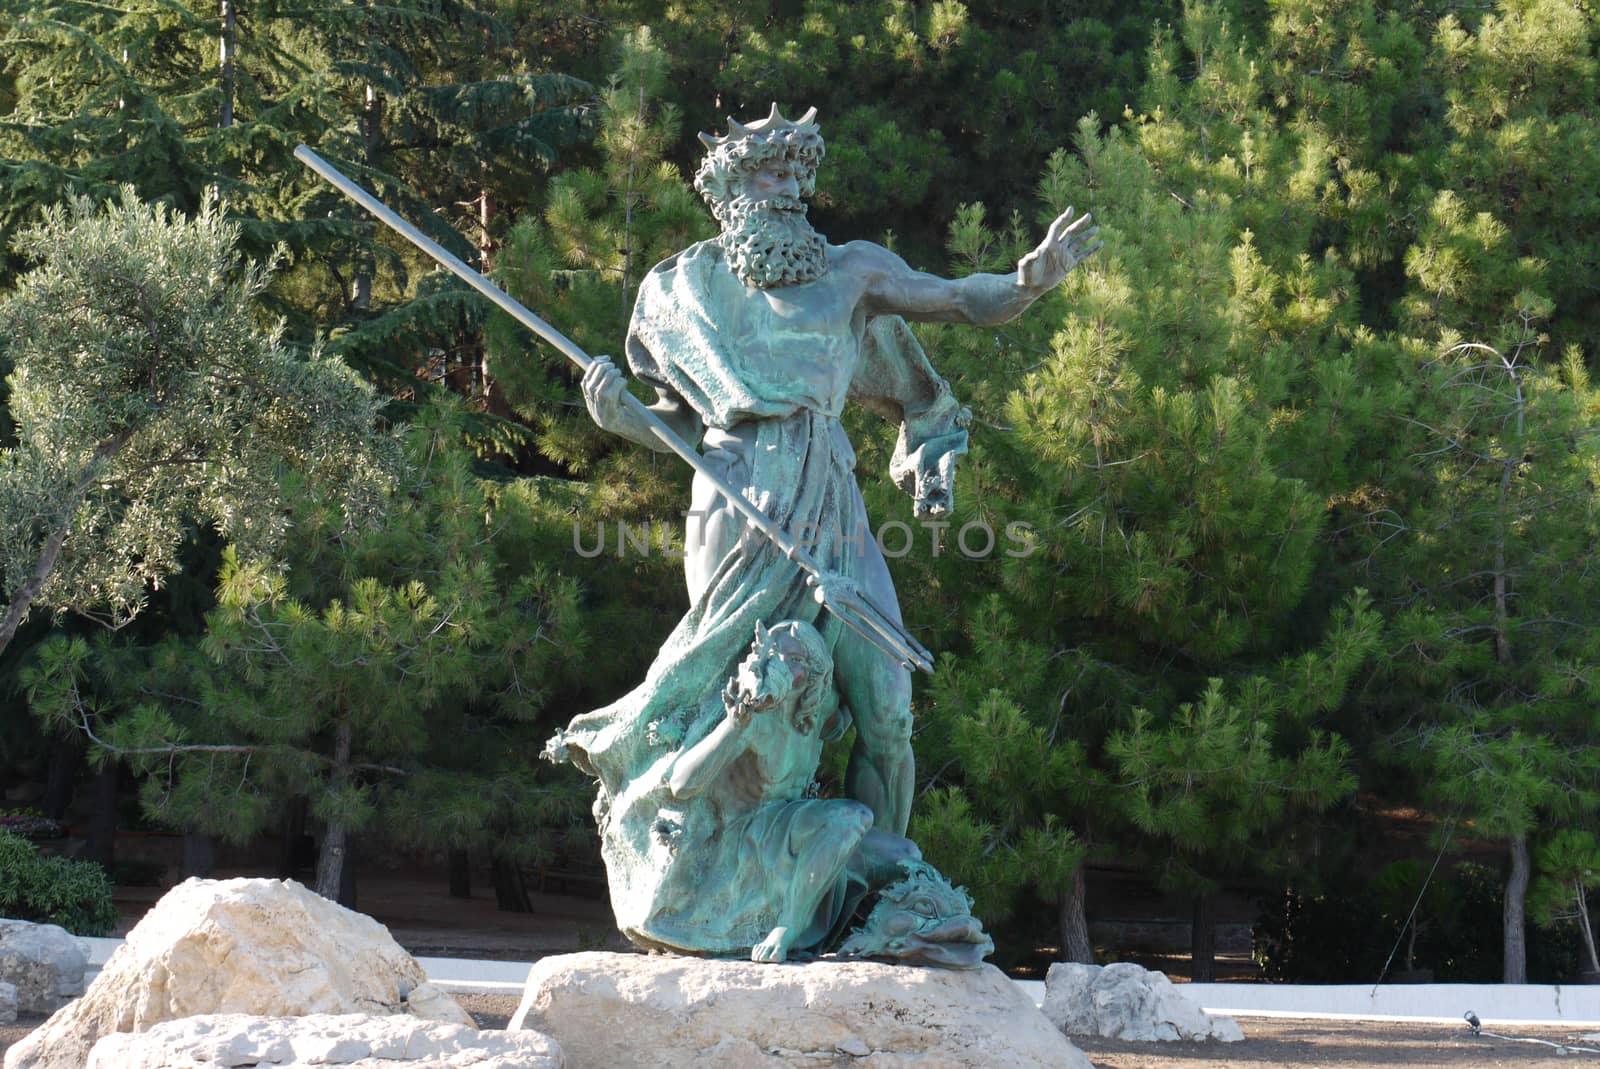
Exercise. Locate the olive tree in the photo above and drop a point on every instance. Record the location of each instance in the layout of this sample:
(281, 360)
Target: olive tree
(146, 399)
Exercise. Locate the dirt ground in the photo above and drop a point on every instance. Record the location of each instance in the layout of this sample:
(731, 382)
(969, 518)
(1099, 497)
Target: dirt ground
(1278, 1042)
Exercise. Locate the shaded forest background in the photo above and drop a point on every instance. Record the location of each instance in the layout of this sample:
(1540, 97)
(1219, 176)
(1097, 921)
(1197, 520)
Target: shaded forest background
(1309, 451)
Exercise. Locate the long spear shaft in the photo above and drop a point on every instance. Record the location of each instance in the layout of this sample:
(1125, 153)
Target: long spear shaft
(852, 608)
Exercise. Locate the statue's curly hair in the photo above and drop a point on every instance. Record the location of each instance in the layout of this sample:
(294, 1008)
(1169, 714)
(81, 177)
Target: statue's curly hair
(731, 159)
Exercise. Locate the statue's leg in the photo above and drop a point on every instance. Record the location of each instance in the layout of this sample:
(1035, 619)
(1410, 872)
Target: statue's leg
(882, 770)
(823, 850)
(876, 861)
(712, 527)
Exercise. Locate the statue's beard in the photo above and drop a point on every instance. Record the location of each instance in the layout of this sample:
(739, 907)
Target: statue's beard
(770, 242)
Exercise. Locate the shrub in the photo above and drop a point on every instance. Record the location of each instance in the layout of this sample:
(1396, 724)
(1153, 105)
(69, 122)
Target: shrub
(53, 890)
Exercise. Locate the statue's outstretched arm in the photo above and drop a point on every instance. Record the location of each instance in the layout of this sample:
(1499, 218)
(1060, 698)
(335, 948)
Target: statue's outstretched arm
(699, 766)
(893, 287)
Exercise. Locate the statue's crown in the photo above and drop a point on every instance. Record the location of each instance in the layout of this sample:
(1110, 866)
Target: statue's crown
(772, 124)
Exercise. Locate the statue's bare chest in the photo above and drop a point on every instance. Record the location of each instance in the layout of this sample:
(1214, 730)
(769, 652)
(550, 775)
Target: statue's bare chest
(799, 341)
(826, 307)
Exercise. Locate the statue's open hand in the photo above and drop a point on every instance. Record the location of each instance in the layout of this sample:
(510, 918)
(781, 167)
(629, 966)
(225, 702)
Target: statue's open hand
(603, 388)
(1063, 248)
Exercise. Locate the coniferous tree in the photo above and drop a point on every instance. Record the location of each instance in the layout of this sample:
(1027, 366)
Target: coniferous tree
(579, 264)
(1181, 665)
(393, 680)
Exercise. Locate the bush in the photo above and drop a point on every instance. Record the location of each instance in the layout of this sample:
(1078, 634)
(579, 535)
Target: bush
(53, 890)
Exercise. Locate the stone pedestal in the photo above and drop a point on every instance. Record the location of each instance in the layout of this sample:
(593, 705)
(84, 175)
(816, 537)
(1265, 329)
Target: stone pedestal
(624, 1011)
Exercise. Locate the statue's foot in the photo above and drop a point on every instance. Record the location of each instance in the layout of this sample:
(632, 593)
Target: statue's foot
(774, 947)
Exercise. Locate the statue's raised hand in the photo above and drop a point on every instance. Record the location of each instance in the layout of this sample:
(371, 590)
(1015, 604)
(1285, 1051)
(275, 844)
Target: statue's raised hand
(1063, 248)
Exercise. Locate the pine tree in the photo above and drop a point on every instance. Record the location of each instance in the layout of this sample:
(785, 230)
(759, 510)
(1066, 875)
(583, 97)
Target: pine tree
(578, 263)
(1173, 427)
(393, 680)
(1499, 660)
(428, 100)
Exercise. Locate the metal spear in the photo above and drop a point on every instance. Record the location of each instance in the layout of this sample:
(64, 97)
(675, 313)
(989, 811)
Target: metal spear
(837, 594)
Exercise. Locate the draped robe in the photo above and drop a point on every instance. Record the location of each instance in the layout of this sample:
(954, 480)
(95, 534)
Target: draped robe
(769, 397)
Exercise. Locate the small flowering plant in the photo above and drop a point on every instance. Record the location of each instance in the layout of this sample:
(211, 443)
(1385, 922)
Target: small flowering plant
(30, 824)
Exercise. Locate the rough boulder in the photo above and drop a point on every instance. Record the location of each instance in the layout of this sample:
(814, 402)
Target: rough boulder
(1126, 1001)
(264, 947)
(632, 1011)
(43, 962)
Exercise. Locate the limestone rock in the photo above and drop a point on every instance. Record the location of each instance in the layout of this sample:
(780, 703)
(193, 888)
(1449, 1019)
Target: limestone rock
(349, 1041)
(624, 1011)
(1126, 1001)
(267, 947)
(8, 1003)
(44, 962)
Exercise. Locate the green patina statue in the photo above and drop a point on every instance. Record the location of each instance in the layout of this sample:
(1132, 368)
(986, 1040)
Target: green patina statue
(753, 342)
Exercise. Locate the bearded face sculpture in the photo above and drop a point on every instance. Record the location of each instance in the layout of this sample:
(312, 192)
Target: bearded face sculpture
(767, 239)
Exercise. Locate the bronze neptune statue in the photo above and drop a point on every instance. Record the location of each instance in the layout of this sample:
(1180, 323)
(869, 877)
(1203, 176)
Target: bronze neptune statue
(714, 839)
(754, 342)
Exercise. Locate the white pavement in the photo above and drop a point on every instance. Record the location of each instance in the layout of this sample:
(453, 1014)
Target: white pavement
(1524, 1004)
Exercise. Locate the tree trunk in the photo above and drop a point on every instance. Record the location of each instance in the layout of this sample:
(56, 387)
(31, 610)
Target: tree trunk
(1075, 945)
(1203, 940)
(66, 757)
(460, 864)
(226, 48)
(100, 846)
(371, 136)
(295, 850)
(199, 854)
(22, 600)
(510, 889)
(347, 874)
(1516, 943)
(330, 861)
(1502, 593)
(331, 856)
(1592, 961)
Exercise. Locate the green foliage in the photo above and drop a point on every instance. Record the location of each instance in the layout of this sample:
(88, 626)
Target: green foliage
(1568, 867)
(1171, 425)
(1567, 863)
(53, 890)
(894, 83)
(435, 102)
(579, 264)
(393, 678)
(147, 399)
